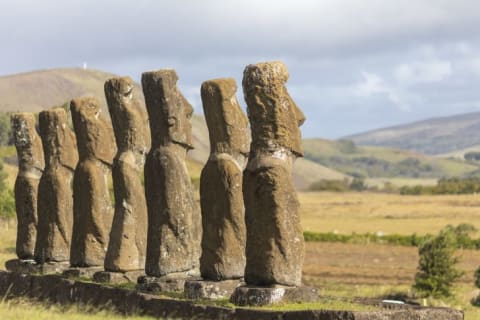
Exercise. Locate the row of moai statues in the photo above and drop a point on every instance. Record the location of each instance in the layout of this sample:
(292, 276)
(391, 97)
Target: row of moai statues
(247, 229)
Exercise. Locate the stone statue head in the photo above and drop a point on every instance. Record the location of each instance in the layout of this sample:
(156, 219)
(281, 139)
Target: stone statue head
(26, 140)
(93, 131)
(227, 124)
(274, 117)
(58, 139)
(169, 112)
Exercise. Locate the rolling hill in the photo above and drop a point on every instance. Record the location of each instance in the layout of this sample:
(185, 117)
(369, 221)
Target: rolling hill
(38, 90)
(434, 136)
(380, 162)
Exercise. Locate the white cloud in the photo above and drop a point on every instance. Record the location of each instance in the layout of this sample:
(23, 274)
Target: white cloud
(422, 72)
(373, 84)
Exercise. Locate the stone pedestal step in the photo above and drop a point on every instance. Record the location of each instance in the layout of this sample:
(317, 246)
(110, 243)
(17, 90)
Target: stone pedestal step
(202, 289)
(261, 296)
(32, 267)
(117, 277)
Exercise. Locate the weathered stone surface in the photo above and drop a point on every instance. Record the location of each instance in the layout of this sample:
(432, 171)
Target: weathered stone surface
(55, 289)
(221, 198)
(84, 272)
(22, 266)
(128, 237)
(201, 289)
(117, 277)
(30, 168)
(32, 267)
(92, 206)
(261, 296)
(173, 282)
(275, 247)
(55, 194)
(174, 222)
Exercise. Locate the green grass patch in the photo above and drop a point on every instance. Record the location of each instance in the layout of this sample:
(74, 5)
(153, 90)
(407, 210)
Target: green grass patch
(463, 239)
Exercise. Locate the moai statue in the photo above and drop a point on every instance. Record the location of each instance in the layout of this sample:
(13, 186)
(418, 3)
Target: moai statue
(275, 245)
(92, 206)
(30, 169)
(128, 236)
(221, 198)
(174, 222)
(55, 194)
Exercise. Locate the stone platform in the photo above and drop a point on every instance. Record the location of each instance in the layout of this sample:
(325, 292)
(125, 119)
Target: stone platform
(202, 289)
(58, 290)
(262, 296)
(117, 277)
(81, 272)
(169, 283)
(32, 267)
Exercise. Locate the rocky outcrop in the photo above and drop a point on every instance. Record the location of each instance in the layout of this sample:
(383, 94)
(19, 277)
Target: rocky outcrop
(92, 206)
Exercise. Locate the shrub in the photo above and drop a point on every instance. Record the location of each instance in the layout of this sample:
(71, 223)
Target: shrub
(7, 199)
(5, 129)
(331, 185)
(472, 156)
(437, 270)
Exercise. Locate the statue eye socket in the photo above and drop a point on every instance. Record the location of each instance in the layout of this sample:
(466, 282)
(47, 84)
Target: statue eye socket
(172, 121)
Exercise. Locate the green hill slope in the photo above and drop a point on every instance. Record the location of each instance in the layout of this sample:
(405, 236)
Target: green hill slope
(374, 162)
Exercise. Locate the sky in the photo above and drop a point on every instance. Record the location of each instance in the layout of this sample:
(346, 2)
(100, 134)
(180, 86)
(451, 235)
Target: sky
(355, 65)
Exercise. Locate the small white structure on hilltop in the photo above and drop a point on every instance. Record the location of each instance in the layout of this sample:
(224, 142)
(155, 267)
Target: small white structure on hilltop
(85, 65)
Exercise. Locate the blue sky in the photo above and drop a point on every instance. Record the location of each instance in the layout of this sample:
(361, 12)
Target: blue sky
(354, 65)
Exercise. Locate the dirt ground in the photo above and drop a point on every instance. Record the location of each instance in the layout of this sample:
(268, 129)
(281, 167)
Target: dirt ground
(371, 264)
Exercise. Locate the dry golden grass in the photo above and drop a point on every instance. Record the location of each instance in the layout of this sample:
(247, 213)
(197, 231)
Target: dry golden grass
(26, 310)
(387, 213)
(354, 270)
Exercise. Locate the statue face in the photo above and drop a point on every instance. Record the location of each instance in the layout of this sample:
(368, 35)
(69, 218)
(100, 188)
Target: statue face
(274, 116)
(58, 139)
(22, 126)
(179, 125)
(169, 111)
(94, 133)
(227, 124)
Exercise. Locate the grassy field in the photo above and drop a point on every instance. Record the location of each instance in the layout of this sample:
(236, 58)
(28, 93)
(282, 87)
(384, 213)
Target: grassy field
(344, 271)
(386, 213)
(400, 182)
(26, 310)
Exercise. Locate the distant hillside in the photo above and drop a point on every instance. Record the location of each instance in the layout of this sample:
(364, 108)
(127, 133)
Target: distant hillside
(433, 136)
(378, 162)
(39, 90)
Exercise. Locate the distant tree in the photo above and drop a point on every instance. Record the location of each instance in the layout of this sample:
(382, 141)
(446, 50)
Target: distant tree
(437, 270)
(358, 184)
(472, 156)
(346, 146)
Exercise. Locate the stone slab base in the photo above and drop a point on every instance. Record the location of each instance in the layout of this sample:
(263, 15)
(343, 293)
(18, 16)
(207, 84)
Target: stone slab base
(174, 282)
(31, 267)
(117, 277)
(202, 289)
(86, 272)
(262, 296)
(58, 290)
